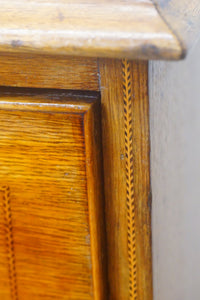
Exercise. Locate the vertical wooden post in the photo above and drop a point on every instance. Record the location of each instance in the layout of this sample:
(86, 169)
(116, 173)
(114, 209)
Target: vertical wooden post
(125, 122)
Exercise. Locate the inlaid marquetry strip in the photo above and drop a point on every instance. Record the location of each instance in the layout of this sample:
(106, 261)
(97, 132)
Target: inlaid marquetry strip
(130, 201)
(9, 241)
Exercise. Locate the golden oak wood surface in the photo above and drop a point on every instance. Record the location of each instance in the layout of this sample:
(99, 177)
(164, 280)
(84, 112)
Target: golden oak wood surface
(127, 180)
(93, 28)
(51, 196)
(48, 71)
(114, 177)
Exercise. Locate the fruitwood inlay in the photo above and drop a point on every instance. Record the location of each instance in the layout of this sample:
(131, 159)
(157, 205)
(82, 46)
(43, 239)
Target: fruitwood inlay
(9, 241)
(130, 201)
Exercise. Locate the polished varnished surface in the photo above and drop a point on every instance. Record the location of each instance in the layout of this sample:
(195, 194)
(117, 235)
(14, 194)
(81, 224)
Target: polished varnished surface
(125, 122)
(48, 71)
(109, 28)
(51, 221)
(135, 29)
(52, 237)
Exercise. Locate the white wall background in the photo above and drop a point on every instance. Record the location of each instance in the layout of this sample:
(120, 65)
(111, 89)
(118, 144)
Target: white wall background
(175, 175)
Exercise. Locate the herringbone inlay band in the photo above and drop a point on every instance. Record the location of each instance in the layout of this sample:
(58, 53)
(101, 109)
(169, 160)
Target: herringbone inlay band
(9, 241)
(130, 201)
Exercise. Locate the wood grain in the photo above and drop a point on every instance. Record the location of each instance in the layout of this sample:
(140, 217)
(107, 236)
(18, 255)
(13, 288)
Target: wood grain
(50, 158)
(48, 71)
(127, 188)
(141, 174)
(9, 241)
(130, 197)
(94, 28)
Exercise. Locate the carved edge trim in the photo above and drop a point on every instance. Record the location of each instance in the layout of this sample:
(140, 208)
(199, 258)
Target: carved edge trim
(130, 200)
(183, 48)
(9, 241)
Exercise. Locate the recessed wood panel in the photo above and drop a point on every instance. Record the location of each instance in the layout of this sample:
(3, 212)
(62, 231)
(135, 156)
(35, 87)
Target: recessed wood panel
(51, 197)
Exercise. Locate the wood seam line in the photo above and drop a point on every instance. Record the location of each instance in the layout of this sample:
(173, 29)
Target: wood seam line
(174, 33)
(9, 241)
(130, 200)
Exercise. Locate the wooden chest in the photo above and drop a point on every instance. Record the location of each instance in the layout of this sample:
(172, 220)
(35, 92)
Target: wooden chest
(75, 197)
